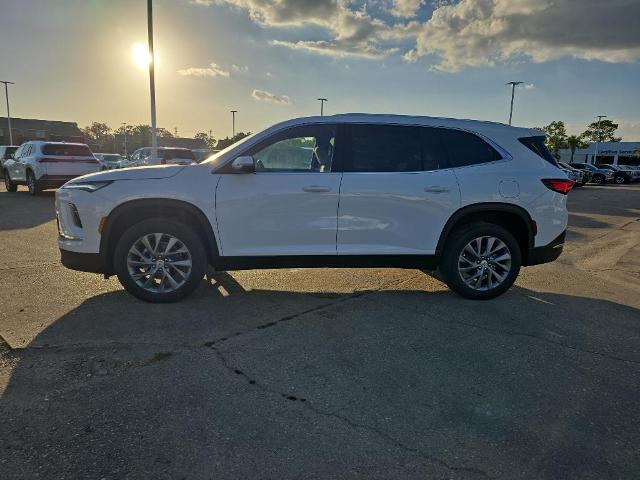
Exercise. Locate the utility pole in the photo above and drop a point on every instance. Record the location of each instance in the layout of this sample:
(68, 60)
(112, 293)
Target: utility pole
(124, 125)
(233, 124)
(513, 92)
(322, 100)
(6, 94)
(598, 138)
(152, 82)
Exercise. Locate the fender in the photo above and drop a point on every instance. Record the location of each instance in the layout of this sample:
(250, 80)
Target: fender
(161, 207)
(489, 207)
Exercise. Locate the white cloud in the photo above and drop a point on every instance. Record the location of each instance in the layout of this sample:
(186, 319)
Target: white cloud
(337, 49)
(529, 86)
(213, 70)
(240, 68)
(264, 96)
(474, 33)
(406, 8)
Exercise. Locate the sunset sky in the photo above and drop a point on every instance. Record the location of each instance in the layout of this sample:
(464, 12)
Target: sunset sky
(270, 59)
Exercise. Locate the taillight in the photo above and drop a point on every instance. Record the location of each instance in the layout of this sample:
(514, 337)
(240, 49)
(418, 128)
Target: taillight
(560, 185)
(40, 160)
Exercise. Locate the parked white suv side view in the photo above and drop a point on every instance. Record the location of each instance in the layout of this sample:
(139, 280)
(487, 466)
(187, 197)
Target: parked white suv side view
(40, 165)
(476, 200)
(164, 156)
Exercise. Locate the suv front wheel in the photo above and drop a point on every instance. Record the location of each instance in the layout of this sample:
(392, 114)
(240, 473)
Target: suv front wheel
(481, 261)
(160, 260)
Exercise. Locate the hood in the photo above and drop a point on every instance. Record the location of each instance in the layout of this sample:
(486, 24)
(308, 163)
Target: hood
(135, 173)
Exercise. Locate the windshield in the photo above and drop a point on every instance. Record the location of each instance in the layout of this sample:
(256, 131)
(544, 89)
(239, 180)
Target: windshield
(170, 154)
(111, 158)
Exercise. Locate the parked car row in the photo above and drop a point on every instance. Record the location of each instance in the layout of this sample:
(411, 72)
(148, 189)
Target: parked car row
(601, 174)
(40, 164)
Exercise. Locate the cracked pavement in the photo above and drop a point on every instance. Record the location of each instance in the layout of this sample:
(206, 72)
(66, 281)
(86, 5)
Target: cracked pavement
(329, 373)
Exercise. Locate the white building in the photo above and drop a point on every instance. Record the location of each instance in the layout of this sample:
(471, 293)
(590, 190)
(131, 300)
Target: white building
(616, 153)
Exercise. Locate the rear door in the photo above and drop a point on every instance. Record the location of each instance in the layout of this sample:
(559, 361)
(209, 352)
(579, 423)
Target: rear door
(67, 160)
(396, 193)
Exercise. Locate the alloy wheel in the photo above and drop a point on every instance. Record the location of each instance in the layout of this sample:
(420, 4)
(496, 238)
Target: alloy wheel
(484, 263)
(159, 262)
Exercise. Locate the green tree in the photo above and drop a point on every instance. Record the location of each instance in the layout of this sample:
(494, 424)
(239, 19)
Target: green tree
(574, 142)
(556, 137)
(604, 132)
(99, 135)
(207, 138)
(225, 142)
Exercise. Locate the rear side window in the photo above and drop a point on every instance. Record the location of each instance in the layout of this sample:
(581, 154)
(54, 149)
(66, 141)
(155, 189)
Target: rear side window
(61, 150)
(384, 148)
(178, 153)
(464, 148)
(536, 145)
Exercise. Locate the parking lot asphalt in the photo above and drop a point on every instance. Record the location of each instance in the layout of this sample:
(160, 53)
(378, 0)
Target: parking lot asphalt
(324, 373)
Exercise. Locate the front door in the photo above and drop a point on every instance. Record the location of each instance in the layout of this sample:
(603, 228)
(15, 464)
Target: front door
(289, 205)
(396, 193)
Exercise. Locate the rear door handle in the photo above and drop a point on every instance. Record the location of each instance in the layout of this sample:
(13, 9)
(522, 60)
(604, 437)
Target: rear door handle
(436, 189)
(316, 189)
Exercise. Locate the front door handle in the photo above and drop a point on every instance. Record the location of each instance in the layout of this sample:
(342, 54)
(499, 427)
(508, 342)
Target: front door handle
(436, 189)
(316, 188)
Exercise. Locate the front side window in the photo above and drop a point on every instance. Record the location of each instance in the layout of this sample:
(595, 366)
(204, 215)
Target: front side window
(464, 148)
(384, 148)
(301, 149)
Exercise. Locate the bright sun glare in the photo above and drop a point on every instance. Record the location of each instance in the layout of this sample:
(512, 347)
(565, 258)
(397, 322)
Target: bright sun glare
(140, 55)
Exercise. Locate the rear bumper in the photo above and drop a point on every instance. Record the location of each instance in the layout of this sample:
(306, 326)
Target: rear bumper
(83, 262)
(54, 181)
(547, 253)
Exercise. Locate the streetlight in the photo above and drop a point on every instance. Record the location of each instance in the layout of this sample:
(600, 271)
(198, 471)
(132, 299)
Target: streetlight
(124, 128)
(6, 94)
(598, 137)
(233, 123)
(322, 100)
(513, 92)
(152, 82)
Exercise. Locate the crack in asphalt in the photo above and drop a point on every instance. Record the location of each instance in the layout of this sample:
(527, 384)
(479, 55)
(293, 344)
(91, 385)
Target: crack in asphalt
(308, 404)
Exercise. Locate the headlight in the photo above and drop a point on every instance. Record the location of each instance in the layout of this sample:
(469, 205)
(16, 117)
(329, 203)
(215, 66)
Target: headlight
(86, 186)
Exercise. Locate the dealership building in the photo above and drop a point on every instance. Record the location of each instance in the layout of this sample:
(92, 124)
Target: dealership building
(612, 153)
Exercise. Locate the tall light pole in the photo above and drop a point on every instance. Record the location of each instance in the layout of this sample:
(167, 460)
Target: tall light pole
(233, 124)
(124, 127)
(598, 138)
(322, 100)
(6, 94)
(513, 92)
(152, 82)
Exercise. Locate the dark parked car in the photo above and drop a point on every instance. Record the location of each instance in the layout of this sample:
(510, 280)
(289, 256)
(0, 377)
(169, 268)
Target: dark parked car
(598, 175)
(620, 175)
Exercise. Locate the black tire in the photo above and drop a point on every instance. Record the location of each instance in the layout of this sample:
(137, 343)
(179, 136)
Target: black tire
(620, 179)
(32, 184)
(458, 240)
(186, 236)
(598, 179)
(8, 184)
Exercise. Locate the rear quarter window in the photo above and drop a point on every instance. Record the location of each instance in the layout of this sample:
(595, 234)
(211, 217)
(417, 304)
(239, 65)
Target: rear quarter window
(464, 148)
(536, 145)
(66, 150)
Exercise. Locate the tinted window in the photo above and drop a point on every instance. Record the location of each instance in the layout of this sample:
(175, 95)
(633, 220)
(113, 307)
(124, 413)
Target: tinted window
(536, 145)
(384, 148)
(62, 150)
(302, 149)
(9, 150)
(465, 148)
(183, 153)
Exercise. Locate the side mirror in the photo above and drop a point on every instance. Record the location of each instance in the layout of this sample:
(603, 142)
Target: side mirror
(244, 164)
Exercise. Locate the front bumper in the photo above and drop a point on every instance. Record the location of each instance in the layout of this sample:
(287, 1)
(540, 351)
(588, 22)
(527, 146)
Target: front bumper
(547, 253)
(83, 262)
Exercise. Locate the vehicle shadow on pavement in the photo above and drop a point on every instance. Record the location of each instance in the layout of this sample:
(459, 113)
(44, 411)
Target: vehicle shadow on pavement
(237, 383)
(20, 210)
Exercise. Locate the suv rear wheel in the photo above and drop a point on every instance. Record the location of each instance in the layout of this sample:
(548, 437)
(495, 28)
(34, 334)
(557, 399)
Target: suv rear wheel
(481, 261)
(598, 179)
(32, 183)
(620, 179)
(160, 260)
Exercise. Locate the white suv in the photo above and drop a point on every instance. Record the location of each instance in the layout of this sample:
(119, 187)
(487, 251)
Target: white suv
(164, 156)
(40, 165)
(475, 200)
